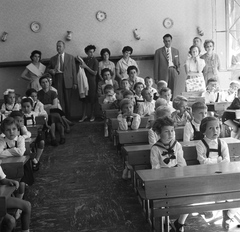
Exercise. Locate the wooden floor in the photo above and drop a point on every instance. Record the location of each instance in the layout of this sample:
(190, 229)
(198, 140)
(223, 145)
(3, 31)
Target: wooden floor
(79, 188)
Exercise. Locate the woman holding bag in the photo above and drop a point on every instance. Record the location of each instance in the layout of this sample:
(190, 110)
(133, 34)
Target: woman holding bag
(194, 69)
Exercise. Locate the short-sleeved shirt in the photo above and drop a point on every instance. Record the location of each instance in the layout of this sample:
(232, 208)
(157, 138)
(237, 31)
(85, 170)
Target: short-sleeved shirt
(122, 65)
(47, 97)
(2, 174)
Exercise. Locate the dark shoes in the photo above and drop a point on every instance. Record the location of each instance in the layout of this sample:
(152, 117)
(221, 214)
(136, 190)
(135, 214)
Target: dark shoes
(54, 143)
(35, 166)
(62, 140)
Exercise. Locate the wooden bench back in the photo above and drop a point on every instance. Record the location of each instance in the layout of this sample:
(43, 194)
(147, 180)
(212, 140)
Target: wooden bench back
(111, 113)
(133, 136)
(114, 123)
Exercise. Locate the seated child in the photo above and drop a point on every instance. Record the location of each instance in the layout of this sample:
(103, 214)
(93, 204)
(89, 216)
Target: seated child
(130, 95)
(147, 107)
(127, 119)
(183, 112)
(9, 104)
(132, 72)
(229, 118)
(161, 111)
(212, 93)
(16, 203)
(110, 96)
(106, 73)
(138, 87)
(148, 84)
(119, 97)
(167, 153)
(29, 120)
(160, 85)
(125, 84)
(166, 93)
(38, 107)
(192, 128)
(232, 91)
(212, 150)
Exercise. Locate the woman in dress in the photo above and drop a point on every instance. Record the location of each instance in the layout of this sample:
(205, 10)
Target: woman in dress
(194, 65)
(124, 63)
(212, 61)
(50, 101)
(90, 65)
(106, 63)
(34, 70)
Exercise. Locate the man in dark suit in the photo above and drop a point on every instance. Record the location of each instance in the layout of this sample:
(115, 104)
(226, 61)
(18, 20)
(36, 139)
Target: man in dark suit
(166, 63)
(63, 69)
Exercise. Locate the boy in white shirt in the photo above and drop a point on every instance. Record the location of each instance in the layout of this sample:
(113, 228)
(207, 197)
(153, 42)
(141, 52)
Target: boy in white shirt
(166, 94)
(147, 107)
(148, 84)
(211, 94)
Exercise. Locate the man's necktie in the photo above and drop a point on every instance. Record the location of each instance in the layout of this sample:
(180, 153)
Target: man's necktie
(168, 55)
(61, 62)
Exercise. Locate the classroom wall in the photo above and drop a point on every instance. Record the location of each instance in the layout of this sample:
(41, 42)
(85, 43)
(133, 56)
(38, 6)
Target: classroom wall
(59, 16)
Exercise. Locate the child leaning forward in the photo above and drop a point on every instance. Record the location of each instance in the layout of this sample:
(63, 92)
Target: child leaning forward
(167, 153)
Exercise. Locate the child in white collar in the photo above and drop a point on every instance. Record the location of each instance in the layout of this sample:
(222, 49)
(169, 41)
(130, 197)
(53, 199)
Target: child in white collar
(9, 104)
(212, 93)
(212, 150)
(148, 106)
(148, 84)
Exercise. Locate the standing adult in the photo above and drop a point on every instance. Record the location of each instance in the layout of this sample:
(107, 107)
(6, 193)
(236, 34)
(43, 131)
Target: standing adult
(34, 71)
(212, 61)
(62, 67)
(124, 63)
(166, 63)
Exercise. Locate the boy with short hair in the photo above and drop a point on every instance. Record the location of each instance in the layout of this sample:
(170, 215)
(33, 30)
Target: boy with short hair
(138, 87)
(125, 84)
(166, 94)
(192, 128)
(211, 94)
(148, 84)
(161, 84)
(110, 96)
(148, 106)
(119, 97)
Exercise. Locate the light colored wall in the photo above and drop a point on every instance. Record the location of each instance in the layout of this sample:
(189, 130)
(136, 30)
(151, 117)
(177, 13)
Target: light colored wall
(59, 16)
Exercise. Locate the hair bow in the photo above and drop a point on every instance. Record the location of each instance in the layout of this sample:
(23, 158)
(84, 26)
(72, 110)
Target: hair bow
(8, 91)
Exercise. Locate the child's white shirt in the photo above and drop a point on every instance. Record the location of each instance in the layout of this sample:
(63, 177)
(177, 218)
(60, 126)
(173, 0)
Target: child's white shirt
(9, 108)
(146, 108)
(2, 174)
(188, 132)
(123, 124)
(12, 150)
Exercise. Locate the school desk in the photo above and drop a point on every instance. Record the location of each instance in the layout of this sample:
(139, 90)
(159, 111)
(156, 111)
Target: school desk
(173, 191)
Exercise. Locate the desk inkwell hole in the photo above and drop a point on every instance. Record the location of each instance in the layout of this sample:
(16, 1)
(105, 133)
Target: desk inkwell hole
(218, 172)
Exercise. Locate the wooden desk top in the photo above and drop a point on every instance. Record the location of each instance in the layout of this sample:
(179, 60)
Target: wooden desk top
(6, 191)
(20, 159)
(191, 180)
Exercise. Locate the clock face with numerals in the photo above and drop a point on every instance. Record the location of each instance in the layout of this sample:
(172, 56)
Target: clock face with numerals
(35, 27)
(101, 16)
(167, 23)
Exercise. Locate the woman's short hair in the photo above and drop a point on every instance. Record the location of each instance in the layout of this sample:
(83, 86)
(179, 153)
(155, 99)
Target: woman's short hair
(36, 52)
(7, 122)
(206, 42)
(192, 47)
(103, 51)
(161, 122)
(89, 47)
(127, 49)
(205, 121)
(130, 68)
(106, 70)
(30, 91)
(178, 100)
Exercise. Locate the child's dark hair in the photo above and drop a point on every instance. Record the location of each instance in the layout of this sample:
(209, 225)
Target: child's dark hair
(27, 99)
(137, 84)
(106, 70)
(130, 68)
(124, 79)
(161, 122)
(211, 80)
(107, 88)
(127, 92)
(125, 101)
(164, 90)
(148, 78)
(16, 113)
(198, 106)
(30, 91)
(7, 122)
(205, 121)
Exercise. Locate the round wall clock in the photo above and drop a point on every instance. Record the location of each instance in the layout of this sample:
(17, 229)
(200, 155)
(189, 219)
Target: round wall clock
(167, 23)
(35, 27)
(101, 16)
